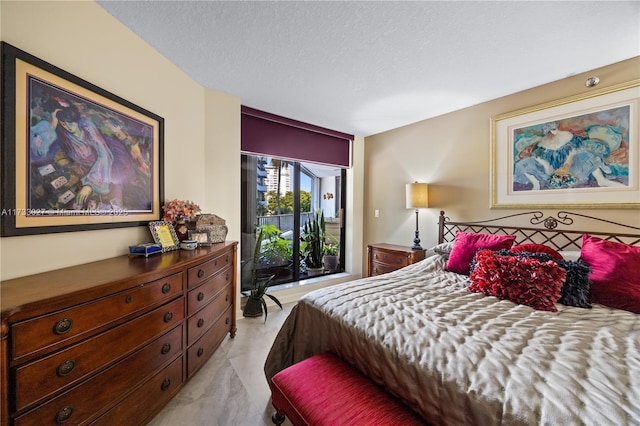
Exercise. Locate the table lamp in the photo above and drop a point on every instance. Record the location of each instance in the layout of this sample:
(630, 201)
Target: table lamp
(417, 198)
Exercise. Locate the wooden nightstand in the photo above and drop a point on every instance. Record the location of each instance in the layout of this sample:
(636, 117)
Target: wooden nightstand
(383, 258)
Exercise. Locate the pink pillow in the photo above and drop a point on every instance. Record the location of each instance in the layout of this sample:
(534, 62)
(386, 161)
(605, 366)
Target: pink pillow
(522, 280)
(615, 272)
(537, 248)
(466, 244)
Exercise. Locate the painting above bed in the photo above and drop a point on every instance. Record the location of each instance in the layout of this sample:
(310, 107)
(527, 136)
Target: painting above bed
(581, 151)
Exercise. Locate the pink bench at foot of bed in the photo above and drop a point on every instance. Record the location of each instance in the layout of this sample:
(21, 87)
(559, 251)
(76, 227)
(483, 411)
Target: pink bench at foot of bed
(324, 390)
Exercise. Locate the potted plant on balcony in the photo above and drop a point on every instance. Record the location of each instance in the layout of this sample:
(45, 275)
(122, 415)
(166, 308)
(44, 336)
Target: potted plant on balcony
(331, 255)
(256, 304)
(313, 239)
(276, 253)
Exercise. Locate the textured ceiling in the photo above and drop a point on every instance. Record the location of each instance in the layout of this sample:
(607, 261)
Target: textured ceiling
(370, 66)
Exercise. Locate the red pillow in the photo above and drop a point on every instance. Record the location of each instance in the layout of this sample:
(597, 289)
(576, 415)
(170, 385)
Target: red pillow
(537, 248)
(615, 272)
(466, 244)
(522, 280)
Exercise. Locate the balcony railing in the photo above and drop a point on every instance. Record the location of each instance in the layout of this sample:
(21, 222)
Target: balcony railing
(284, 222)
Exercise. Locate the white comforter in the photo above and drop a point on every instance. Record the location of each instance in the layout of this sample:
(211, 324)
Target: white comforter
(461, 358)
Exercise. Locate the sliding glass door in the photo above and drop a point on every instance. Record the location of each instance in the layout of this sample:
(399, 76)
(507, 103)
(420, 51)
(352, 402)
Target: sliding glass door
(279, 197)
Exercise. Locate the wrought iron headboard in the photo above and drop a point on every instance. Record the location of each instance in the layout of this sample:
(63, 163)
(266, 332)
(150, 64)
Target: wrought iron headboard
(565, 239)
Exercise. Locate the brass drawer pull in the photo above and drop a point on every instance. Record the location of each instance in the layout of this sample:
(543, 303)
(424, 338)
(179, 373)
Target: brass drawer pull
(166, 288)
(200, 273)
(200, 296)
(399, 260)
(226, 321)
(65, 413)
(165, 349)
(200, 322)
(63, 326)
(226, 298)
(200, 352)
(66, 368)
(127, 299)
(227, 277)
(165, 384)
(168, 316)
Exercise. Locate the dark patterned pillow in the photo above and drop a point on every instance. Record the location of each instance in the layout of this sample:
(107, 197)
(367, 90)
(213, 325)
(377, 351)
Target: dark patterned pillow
(576, 287)
(521, 279)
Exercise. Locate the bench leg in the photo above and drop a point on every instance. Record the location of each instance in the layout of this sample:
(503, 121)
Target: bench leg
(277, 418)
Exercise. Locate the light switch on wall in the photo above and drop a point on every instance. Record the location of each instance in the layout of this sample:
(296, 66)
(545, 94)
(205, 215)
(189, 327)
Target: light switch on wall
(376, 213)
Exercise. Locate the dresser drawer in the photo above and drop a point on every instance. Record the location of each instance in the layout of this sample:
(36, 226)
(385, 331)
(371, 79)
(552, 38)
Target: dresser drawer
(50, 330)
(380, 268)
(85, 402)
(199, 323)
(383, 258)
(42, 378)
(202, 350)
(200, 296)
(396, 260)
(198, 274)
(105, 342)
(153, 395)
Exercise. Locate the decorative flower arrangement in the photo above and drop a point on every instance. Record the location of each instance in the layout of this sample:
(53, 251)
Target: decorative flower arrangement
(175, 210)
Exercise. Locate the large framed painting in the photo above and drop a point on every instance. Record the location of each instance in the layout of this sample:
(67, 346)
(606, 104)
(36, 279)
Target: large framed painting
(580, 152)
(74, 156)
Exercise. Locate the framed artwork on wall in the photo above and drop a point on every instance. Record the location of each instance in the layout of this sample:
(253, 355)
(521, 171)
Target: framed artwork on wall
(579, 152)
(74, 156)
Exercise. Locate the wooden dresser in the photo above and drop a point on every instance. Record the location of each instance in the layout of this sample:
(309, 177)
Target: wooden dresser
(383, 258)
(111, 342)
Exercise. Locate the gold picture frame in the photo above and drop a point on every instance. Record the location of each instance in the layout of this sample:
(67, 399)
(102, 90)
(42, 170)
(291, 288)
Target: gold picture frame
(74, 156)
(165, 235)
(578, 152)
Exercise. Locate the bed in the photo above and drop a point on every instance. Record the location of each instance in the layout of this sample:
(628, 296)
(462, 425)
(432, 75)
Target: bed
(461, 357)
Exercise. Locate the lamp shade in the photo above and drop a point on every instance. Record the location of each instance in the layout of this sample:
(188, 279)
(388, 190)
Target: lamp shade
(417, 195)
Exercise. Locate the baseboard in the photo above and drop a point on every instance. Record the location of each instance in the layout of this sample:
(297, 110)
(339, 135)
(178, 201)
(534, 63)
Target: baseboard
(292, 292)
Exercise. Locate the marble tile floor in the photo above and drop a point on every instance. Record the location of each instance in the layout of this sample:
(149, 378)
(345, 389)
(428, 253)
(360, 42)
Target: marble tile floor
(230, 389)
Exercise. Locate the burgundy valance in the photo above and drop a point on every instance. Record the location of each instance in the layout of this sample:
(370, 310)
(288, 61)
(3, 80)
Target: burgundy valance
(271, 135)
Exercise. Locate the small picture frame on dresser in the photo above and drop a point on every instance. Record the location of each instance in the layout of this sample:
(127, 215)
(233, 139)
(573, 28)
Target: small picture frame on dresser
(202, 237)
(165, 235)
